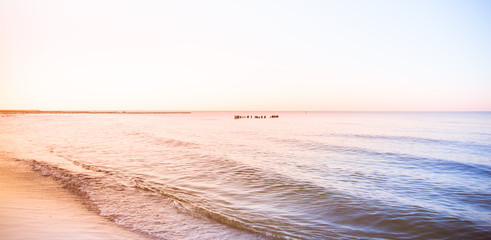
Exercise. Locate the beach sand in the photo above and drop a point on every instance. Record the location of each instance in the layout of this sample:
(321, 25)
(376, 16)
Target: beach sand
(36, 207)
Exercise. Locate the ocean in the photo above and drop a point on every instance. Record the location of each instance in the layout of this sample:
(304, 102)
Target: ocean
(304, 175)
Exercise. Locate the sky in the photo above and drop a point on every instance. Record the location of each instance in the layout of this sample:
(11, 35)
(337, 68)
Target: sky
(246, 55)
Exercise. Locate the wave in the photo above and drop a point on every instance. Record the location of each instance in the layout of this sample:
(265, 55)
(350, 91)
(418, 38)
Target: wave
(69, 180)
(91, 167)
(130, 206)
(408, 160)
(460, 144)
(198, 211)
(141, 204)
(164, 141)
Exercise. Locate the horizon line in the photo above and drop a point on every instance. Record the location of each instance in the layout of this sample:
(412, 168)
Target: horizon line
(37, 111)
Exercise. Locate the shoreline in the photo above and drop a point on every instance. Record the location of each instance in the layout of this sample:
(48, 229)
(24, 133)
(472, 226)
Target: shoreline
(87, 112)
(34, 207)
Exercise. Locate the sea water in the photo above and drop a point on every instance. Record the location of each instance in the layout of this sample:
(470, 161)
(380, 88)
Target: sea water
(304, 175)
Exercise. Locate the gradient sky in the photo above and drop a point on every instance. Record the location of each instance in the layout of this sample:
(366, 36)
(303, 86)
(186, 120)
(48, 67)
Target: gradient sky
(245, 55)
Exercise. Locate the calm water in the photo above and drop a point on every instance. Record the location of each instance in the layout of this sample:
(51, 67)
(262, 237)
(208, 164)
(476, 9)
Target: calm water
(302, 176)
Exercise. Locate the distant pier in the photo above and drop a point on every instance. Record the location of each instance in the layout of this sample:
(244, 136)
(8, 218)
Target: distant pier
(255, 116)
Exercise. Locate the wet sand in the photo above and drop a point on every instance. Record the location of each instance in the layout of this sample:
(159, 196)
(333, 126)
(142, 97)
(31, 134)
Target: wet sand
(37, 207)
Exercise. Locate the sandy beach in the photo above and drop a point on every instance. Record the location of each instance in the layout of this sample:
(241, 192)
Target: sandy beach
(37, 207)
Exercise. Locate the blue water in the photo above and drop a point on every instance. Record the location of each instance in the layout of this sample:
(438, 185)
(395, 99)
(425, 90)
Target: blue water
(315, 175)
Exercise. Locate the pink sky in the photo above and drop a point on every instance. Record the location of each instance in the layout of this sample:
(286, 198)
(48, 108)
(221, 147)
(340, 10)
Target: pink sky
(250, 55)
